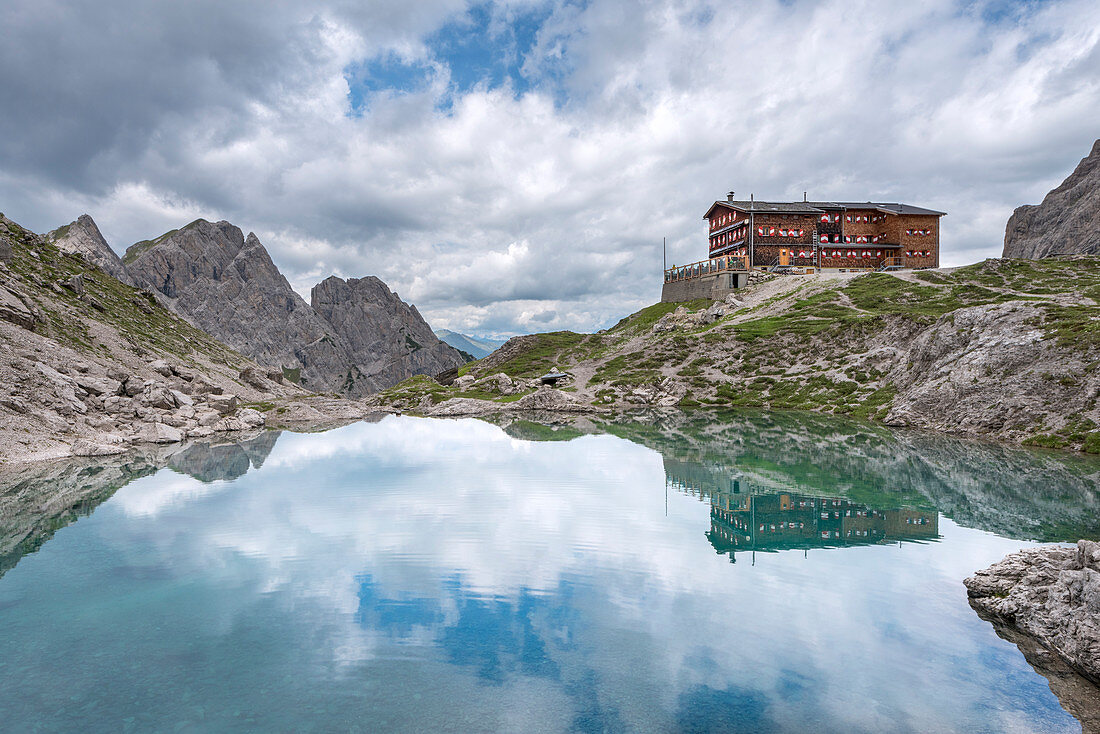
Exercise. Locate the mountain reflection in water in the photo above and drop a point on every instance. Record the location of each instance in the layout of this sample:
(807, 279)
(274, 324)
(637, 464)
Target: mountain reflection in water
(447, 575)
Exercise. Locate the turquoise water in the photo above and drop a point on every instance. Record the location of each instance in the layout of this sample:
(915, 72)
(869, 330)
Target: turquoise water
(450, 575)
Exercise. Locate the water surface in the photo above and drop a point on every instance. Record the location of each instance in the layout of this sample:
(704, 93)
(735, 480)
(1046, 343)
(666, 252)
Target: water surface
(744, 573)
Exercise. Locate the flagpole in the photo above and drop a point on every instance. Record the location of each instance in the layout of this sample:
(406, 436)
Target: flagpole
(664, 255)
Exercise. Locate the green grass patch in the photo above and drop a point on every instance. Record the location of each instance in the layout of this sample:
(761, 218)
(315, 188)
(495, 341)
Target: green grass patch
(542, 354)
(644, 319)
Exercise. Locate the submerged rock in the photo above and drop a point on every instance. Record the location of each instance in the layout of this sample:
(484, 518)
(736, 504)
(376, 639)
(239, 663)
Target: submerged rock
(1050, 593)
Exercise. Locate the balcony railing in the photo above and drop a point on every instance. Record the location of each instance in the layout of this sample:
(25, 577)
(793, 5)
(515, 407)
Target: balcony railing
(707, 267)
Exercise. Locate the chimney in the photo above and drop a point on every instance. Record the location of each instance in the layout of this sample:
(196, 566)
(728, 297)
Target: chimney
(729, 197)
(804, 196)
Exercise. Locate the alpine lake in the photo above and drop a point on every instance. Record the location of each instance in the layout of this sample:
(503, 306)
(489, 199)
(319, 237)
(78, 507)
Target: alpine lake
(739, 572)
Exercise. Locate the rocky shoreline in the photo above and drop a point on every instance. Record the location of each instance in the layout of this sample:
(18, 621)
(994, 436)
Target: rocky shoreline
(1050, 594)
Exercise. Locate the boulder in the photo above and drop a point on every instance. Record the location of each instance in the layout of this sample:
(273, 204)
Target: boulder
(550, 399)
(245, 419)
(224, 404)
(160, 397)
(64, 388)
(75, 284)
(464, 382)
(207, 417)
(98, 385)
(201, 386)
(253, 376)
(181, 399)
(159, 433)
(13, 310)
(161, 367)
(13, 404)
(1051, 593)
(185, 374)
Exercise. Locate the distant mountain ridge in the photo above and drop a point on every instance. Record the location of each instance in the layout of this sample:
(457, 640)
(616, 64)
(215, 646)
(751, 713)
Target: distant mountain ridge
(1068, 220)
(476, 346)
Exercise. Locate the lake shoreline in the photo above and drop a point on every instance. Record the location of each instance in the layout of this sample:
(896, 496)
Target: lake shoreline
(310, 413)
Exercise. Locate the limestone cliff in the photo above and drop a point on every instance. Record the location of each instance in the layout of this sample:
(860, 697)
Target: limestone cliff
(356, 338)
(84, 238)
(227, 285)
(1068, 220)
(387, 339)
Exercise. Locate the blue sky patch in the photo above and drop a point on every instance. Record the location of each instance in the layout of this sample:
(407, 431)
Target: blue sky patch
(483, 48)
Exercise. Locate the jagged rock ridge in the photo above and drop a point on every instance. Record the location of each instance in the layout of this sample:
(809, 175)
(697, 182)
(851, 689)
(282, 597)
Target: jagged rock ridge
(83, 237)
(387, 339)
(358, 337)
(1068, 220)
(92, 366)
(227, 285)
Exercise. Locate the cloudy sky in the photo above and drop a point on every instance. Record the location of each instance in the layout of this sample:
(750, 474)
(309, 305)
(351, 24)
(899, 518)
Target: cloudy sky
(512, 166)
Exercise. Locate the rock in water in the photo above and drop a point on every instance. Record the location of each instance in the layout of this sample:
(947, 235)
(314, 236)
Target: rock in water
(388, 339)
(1051, 594)
(1068, 220)
(84, 237)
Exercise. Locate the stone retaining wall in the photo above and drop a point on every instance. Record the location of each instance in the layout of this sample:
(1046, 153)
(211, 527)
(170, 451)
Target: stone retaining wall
(715, 286)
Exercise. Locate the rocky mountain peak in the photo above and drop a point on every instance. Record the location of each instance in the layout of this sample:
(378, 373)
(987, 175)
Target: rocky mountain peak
(388, 339)
(230, 288)
(357, 337)
(83, 236)
(1068, 220)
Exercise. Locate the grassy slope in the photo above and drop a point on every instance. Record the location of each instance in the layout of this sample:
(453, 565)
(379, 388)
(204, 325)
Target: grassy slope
(805, 349)
(141, 322)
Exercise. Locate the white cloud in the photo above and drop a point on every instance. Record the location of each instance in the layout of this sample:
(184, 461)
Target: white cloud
(496, 211)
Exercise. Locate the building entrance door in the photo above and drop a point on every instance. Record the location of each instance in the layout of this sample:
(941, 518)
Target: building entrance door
(784, 257)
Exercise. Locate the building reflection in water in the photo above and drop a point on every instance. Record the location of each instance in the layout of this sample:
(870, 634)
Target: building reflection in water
(748, 518)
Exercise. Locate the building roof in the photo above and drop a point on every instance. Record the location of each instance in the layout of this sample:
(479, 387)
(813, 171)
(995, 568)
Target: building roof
(817, 207)
(889, 208)
(766, 207)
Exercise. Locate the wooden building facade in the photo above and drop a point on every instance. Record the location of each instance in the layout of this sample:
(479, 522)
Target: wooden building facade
(825, 234)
